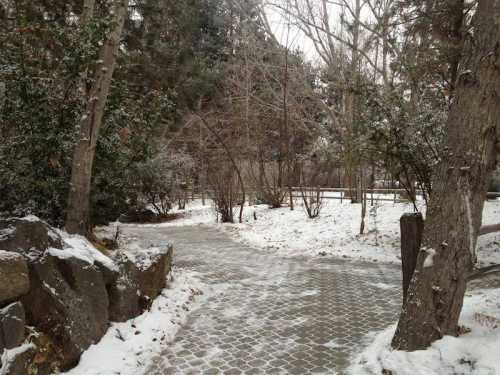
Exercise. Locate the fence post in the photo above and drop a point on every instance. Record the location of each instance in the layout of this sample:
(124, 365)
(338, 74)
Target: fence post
(412, 227)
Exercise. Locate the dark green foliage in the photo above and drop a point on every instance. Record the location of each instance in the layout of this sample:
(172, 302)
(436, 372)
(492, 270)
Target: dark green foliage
(168, 61)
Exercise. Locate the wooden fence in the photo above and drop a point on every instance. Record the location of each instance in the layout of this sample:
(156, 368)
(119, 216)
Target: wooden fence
(387, 195)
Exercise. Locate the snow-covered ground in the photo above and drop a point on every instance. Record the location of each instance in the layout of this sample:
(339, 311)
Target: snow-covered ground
(127, 348)
(474, 353)
(335, 232)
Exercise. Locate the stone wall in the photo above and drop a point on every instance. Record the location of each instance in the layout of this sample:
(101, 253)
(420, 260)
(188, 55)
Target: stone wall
(68, 292)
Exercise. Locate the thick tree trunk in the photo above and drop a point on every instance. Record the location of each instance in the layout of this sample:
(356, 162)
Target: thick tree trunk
(436, 292)
(78, 210)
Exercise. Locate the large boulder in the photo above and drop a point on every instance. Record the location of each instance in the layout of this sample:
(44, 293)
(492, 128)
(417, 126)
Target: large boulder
(28, 233)
(14, 279)
(124, 294)
(143, 275)
(154, 265)
(69, 302)
(66, 285)
(67, 298)
(12, 321)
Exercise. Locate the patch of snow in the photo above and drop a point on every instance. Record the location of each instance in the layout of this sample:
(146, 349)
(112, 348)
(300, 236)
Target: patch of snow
(382, 286)
(143, 258)
(128, 348)
(309, 293)
(49, 288)
(8, 256)
(53, 235)
(334, 233)
(232, 312)
(7, 232)
(332, 344)
(9, 355)
(79, 247)
(31, 218)
(467, 200)
(474, 353)
(429, 259)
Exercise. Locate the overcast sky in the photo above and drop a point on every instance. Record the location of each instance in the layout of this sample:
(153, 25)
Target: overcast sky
(296, 39)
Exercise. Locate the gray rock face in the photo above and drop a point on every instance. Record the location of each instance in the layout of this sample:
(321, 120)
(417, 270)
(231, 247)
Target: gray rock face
(69, 302)
(67, 297)
(14, 279)
(12, 321)
(64, 291)
(25, 234)
(151, 277)
(124, 294)
(143, 276)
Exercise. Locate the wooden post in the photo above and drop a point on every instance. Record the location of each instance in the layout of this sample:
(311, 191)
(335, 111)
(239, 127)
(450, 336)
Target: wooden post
(412, 227)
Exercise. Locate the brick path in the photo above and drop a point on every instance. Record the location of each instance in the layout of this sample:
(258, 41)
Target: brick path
(272, 315)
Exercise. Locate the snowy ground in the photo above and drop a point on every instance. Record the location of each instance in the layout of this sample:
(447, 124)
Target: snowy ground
(127, 348)
(475, 353)
(335, 232)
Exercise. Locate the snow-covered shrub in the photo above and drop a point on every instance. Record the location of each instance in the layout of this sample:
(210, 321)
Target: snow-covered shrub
(164, 180)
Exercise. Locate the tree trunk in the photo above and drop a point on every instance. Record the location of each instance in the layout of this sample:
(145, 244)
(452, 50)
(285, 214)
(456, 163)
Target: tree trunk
(364, 199)
(436, 292)
(412, 226)
(78, 210)
(352, 110)
(88, 11)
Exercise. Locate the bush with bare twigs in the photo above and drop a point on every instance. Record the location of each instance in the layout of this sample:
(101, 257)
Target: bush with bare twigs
(225, 191)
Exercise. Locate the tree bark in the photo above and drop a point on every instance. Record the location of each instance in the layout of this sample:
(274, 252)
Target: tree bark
(437, 289)
(412, 226)
(352, 110)
(78, 209)
(88, 12)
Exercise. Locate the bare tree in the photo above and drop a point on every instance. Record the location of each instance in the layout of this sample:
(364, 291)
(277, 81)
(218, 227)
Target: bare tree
(310, 188)
(221, 141)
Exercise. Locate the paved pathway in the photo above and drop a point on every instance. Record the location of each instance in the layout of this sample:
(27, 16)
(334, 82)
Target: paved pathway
(272, 315)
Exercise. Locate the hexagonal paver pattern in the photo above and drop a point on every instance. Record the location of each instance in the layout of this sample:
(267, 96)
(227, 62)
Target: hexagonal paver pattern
(272, 315)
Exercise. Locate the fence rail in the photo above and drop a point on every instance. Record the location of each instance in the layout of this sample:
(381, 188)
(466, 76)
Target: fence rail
(397, 194)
